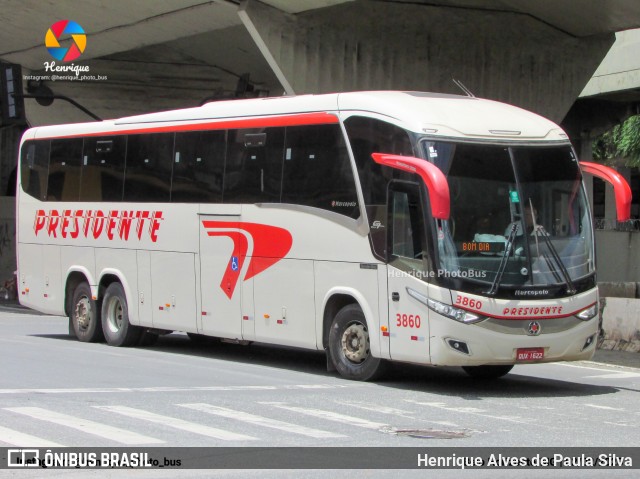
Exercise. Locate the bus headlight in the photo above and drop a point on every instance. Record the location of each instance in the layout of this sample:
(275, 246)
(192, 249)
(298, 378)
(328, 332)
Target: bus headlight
(587, 314)
(454, 313)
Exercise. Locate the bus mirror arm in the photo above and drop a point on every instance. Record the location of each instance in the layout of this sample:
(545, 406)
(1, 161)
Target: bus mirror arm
(621, 188)
(434, 179)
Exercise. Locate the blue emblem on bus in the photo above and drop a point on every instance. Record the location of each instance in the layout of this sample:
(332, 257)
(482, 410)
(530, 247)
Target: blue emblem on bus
(234, 263)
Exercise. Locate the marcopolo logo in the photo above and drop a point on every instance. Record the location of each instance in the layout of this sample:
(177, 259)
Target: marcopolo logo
(58, 32)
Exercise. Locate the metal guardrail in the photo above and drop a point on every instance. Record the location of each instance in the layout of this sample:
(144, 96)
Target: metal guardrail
(613, 225)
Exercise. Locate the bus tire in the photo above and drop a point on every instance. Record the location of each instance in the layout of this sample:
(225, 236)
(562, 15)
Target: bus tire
(84, 315)
(487, 372)
(349, 346)
(118, 331)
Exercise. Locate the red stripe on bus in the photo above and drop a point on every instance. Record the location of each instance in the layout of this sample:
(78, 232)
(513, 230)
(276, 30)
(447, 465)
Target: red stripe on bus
(525, 316)
(261, 122)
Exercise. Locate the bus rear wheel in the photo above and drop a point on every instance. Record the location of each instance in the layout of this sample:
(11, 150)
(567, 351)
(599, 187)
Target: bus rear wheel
(84, 319)
(118, 331)
(487, 372)
(349, 346)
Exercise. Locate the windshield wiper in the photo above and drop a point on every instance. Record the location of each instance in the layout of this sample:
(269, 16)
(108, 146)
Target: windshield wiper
(540, 231)
(503, 262)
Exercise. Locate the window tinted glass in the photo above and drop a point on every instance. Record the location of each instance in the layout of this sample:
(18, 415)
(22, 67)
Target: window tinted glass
(103, 162)
(254, 166)
(149, 162)
(317, 170)
(34, 169)
(64, 170)
(366, 136)
(198, 167)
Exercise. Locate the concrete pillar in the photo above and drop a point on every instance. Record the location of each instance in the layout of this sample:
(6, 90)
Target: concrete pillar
(378, 45)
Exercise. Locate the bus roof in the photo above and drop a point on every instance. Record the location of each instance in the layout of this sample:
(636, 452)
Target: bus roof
(452, 116)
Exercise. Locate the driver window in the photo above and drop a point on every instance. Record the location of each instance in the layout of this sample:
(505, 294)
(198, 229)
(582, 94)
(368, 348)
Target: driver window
(407, 229)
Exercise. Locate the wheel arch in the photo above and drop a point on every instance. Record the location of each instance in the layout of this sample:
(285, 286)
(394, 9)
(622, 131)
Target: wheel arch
(338, 298)
(75, 276)
(109, 276)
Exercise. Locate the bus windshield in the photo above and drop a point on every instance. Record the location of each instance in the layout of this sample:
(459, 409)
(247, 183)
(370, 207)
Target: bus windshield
(519, 215)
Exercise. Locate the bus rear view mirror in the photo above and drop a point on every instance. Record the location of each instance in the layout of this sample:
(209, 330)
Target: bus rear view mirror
(621, 188)
(433, 178)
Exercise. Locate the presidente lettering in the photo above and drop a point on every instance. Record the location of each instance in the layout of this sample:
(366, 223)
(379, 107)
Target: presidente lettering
(95, 224)
(533, 311)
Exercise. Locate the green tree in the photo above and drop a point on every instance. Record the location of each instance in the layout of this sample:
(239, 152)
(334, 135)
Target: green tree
(622, 141)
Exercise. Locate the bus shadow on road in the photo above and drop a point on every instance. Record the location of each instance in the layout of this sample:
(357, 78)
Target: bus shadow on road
(443, 380)
(451, 381)
(447, 381)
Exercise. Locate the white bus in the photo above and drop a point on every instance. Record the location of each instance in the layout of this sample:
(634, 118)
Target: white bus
(404, 226)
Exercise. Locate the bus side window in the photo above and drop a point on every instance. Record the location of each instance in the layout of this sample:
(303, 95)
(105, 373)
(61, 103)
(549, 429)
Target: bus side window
(34, 170)
(63, 182)
(198, 167)
(103, 168)
(253, 171)
(317, 171)
(148, 171)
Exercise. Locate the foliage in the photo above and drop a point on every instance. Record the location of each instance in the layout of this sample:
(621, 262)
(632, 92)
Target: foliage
(622, 141)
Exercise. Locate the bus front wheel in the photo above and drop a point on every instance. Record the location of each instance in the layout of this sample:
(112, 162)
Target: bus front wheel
(487, 372)
(118, 331)
(349, 346)
(84, 319)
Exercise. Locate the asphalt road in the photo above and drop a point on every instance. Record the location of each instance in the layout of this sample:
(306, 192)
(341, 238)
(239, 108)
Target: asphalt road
(55, 391)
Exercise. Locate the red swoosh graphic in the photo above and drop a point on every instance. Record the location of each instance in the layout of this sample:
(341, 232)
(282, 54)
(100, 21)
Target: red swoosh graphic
(270, 245)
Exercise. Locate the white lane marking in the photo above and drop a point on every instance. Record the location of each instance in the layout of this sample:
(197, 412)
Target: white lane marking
(90, 427)
(473, 410)
(169, 389)
(177, 423)
(597, 406)
(602, 370)
(615, 375)
(635, 426)
(331, 416)
(260, 421)
(376, 408)
(21, 439)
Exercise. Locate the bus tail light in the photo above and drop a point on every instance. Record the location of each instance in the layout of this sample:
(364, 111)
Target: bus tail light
(452, 312)
(588, 313)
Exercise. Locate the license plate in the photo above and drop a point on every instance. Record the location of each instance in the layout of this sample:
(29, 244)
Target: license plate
(529, 354)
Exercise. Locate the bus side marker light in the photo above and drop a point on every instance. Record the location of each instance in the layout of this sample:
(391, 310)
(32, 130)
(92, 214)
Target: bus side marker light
(386, 334)
(204, 313)
(266, 316)
(245, 318)
(384, 329)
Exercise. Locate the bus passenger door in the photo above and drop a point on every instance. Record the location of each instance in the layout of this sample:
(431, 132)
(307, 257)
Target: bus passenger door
(223, 249)
(408, 317)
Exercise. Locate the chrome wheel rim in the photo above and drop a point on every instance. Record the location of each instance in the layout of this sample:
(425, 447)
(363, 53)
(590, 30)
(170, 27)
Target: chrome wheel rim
(355, 343)
(83, 313)
(115, 315)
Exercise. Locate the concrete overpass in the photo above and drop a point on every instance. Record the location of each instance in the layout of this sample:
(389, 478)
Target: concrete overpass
(164, 54)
